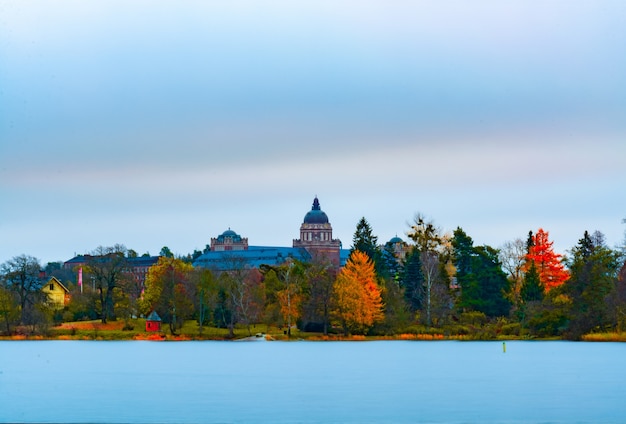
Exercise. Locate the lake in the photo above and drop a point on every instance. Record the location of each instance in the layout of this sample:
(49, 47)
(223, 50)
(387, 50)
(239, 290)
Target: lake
(312, 382)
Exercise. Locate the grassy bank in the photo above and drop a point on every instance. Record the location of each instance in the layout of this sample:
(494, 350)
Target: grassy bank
(135, 330)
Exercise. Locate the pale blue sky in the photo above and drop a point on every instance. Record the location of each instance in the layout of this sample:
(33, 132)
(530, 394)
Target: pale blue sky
(153, 123)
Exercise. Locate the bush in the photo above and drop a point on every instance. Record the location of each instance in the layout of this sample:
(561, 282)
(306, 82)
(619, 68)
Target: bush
(512, 329)
(473, 318)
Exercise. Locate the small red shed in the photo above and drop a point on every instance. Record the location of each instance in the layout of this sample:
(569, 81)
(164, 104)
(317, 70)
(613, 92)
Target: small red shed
(153, 322)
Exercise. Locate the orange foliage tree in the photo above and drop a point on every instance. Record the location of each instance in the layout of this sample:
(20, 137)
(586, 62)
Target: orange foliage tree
(551, 271)
(357, 297)
(289, 300)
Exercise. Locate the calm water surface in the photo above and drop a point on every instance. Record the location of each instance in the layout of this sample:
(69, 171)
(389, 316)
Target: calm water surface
(312, 382)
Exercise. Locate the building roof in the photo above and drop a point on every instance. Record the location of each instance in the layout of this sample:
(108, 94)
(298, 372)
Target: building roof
(56, 280)
(254, 257)
(344, 255)
(143, 260)
(316, 215)
(153, 316)
(136, 262)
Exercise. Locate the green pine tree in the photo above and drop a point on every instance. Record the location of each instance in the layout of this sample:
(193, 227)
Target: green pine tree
(593, 280)
(531, 286)
(480, 275)
(365, 241)
(412, 280)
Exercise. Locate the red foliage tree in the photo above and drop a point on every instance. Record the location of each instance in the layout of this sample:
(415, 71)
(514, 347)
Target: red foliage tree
(552, 273)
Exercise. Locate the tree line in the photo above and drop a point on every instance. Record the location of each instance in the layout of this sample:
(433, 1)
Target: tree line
(436, 281)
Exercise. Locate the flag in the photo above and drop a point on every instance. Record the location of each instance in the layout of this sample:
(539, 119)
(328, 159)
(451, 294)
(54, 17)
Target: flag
(80, 278)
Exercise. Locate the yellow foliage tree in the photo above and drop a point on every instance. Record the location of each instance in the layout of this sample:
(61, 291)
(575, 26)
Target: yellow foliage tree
(357, 296)
(289, 302)
(168, 291)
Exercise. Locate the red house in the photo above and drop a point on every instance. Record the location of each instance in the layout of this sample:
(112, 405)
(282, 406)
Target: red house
(153, 322)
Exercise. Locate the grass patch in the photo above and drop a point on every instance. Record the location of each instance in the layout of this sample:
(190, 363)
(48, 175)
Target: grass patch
(605, 337)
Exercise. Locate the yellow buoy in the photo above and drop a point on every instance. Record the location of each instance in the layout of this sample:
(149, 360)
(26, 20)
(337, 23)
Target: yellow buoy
(503, 347)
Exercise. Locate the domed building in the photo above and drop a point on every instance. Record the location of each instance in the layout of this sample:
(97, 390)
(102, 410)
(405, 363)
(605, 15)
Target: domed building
(316, 235)
(229, 250)
(398, 247)
(228, 240)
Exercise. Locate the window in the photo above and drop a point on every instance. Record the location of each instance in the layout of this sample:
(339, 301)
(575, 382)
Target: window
(51, 286)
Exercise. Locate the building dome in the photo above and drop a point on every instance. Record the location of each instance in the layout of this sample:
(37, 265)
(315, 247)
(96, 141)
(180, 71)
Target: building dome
(229, 234)
(395, 240)
(316, 215)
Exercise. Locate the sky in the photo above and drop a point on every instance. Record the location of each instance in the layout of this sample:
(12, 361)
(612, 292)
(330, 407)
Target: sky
(154, 123)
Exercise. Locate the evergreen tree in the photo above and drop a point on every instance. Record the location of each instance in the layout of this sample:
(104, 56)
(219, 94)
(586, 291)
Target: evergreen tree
(463, 251)
(493, 282)
(389, 263)
(366, 242)
(412, 280)
(530, 242)
(531, 286)
(594, 270)
(479, 273)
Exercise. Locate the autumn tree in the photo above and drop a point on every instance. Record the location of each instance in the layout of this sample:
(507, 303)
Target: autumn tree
(168, 286)
(21, 275)
(289, 299)
(357, 297)
(551, 271)
(285, 286)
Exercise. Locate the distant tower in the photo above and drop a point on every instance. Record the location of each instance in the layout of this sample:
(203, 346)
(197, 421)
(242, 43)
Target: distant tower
(316, 235)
